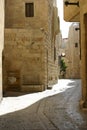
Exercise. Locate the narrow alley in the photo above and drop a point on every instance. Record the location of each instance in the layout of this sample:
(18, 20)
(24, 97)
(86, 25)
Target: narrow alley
(55, 109)
(43, 65)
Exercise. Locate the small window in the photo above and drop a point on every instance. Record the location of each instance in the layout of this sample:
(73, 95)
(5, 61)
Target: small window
(29, 9)
(76, 44)
(54, 53)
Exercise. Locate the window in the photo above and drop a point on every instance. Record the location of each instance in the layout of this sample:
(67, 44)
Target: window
(76, 44)
(54, 53)
(29, 9)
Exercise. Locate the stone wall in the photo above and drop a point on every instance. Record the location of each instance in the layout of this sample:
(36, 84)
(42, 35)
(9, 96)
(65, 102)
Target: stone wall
(71, 13)
(31, 47)
(73, 53)
(16, 17)
(69, 51)
(83, 26)
(83, 35)
(1, 41)
(23, 61)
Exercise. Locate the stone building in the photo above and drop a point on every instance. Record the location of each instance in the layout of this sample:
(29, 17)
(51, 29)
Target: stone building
(76, 11)
(59, 51)
(1, 41)
(73, 52)
(69, 50)
(30, 59)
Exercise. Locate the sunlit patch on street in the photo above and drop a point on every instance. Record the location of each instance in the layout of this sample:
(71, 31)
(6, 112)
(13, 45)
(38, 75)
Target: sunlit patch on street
(12, 104)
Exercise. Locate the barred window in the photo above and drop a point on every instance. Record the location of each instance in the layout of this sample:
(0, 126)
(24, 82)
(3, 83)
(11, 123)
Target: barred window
(29, 9)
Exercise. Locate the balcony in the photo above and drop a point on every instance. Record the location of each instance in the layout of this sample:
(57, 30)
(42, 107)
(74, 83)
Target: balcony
(72, 10)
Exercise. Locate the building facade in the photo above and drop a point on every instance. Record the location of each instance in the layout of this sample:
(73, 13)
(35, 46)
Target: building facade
(78, 13)
(73, 52)
(30, 59)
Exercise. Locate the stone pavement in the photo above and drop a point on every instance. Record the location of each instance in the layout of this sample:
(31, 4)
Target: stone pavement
(58, 111)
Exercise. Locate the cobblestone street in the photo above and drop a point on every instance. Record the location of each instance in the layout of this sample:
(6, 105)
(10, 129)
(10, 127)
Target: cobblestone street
(56, 109)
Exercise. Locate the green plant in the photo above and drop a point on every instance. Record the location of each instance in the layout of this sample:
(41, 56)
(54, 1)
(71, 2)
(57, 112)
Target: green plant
(62, 66)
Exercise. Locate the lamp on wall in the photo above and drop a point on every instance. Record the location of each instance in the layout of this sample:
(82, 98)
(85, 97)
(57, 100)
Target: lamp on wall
(77, 29)
(71, 3)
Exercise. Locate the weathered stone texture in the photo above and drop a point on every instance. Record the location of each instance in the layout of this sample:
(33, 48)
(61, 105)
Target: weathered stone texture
(31, 47)
(73, 53)
(69, 51)
(82, 13)
(15, 15)
(71, 13)
(25, 56)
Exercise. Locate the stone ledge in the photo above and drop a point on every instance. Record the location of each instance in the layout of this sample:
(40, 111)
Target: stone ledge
(32, 88)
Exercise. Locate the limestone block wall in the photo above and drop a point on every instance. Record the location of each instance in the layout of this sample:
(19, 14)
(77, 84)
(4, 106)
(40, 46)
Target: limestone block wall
(16, 18)
(83, 22)
(68, 59)
(30, 60)
(23, 61)
(73, 53)
(71, 13)
(82, 3)
(83, 34)
(1, 41)
(54, 29)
